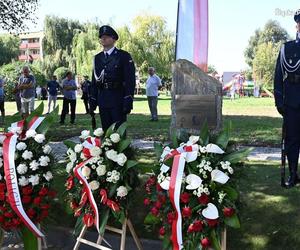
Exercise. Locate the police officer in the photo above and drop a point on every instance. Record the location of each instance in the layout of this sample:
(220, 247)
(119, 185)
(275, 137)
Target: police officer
(113, 81)
(287, 99)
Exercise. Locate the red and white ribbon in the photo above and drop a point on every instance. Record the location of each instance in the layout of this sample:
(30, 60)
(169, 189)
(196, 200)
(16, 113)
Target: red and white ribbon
(88, 144)
(9, 148)
(181, 155)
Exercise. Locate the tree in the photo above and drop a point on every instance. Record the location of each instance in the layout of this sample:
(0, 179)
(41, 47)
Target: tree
(211, 69)
(272, 32)
(264, 63)
(9, 48)
(14, 14)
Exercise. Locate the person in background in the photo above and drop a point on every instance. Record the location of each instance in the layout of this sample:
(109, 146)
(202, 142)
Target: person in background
(44, 93)
(2, 101)
(153, 83)
(69, 90)
(85, 93)
(26, 85)
(17, 92)
(52, 88)
(38, 92)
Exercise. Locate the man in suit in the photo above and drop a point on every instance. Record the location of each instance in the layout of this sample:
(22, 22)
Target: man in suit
(287, 92)
(113, 81)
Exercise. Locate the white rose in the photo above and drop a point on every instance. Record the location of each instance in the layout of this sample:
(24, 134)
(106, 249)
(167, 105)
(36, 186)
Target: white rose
(34, 179)
(21, 146)
(193, 139)
(48, 176)
(98, 132)
(22, 169)
(47, 149)
(94, 185)
(95, 151)
(73, 157)
(23, 181)
(121, 159)
(30, 133)
(86, 171)
(39, 138)
(230, 170)
(122, 191)
(111, 154)
(34, 165)
(27, 155)
(84, 134)
(115, 138)
(78, 148)
(2, 138)
(69, 167)
(101, 170)
(44, 160)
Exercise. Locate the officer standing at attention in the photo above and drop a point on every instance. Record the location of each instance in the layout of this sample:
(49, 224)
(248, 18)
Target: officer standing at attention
(113, 81)
(287, 100)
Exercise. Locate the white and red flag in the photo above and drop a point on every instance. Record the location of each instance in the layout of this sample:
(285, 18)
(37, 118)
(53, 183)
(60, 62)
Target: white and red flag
(192, 32)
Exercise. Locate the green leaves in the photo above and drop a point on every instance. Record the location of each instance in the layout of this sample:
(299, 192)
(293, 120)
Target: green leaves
(29, 239)
(130, 164)
(123, 144)
(48, 121)
(223, 138)
(151, 219)
(37, 112)
(70, 144)
(231, 192)
(110, 130)
(122, 129)
(158, 148)
(238, 156)
(233, 221)
(215, 240)
(204, 134)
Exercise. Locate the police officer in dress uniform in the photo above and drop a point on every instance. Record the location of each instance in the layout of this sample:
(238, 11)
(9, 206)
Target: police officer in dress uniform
(113, 81)
(287, 99)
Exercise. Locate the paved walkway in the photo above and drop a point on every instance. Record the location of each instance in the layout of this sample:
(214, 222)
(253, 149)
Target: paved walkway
(258, 153)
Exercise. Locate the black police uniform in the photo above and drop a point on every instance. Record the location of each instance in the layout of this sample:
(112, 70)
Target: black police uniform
(287, 100)
(113, 83)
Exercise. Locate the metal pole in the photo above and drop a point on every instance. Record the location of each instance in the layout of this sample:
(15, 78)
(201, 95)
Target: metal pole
(177, 29)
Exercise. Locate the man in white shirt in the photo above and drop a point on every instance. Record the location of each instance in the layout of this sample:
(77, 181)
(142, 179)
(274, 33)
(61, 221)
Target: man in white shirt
(153, 83)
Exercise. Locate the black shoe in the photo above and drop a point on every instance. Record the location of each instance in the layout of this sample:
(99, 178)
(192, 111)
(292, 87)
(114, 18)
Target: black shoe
(292, 181)
(72, 123)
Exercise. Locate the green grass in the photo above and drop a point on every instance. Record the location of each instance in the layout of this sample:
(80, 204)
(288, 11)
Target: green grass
(255, 121)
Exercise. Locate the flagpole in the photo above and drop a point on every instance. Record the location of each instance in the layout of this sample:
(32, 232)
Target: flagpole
(177, 29)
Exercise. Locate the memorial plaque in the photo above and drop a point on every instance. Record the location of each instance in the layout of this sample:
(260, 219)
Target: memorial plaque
(193, 110)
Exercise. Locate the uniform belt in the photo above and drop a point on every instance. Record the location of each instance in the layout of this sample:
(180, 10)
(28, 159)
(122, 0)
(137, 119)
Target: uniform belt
(109, 85)
(293, 78)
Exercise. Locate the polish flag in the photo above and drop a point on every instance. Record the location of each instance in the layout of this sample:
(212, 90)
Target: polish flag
(192, 32)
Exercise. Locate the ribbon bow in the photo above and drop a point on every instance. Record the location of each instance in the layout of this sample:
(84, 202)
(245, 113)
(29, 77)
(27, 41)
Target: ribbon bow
(17, 130)
(89, 143)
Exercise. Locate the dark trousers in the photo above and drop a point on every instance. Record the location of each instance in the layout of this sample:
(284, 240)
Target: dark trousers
(110, 116)
(152, 103)
(85, 99)
(65, 110)
(292, 138)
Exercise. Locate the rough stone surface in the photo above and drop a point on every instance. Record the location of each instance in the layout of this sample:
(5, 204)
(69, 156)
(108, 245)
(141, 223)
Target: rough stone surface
(188, 79)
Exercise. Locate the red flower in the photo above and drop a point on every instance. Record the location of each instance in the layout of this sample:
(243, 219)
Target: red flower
(147, 201)
(52, 194)
(185, 198)
(162, 231)
(26, 199)
(1, 218)
(212, 223)
(43, 191)
(151, 181)
(191, 228)
(70, 183)
(203, 199)
(31, 213)
(73, 205)
(162, 199)
(158, 188)
(45, 206)
(186, 212)
(154, 211)
(88, 220)
(205, 242)
(198, 225)
(228, 211)
(3, 209)
(157, 204)
(170, 217)
(2, 196)
(37, 200)
(77, 213)
(27, 190)
(2, 187)
(9, 214)
(16, 222)
(44, 213)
